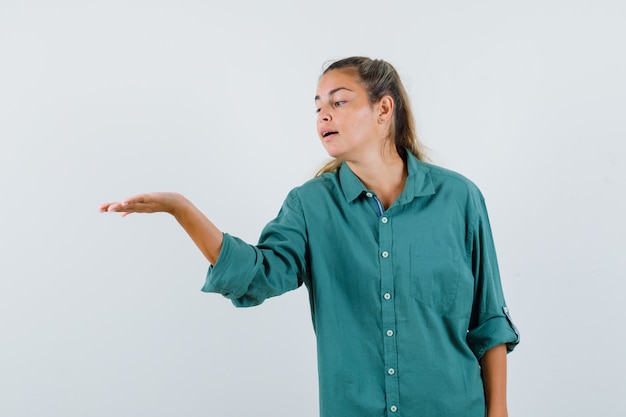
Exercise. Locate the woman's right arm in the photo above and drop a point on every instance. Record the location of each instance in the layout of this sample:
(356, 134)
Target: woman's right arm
(205, 235)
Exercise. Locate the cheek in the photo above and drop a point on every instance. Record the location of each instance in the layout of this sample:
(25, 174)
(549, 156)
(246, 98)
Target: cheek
(358, 117)
(364, 121)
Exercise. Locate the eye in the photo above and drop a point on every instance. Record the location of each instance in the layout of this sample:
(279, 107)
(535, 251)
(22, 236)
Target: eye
(317, 110)
(339, 103)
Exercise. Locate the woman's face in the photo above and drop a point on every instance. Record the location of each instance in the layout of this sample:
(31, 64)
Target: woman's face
(347, 124)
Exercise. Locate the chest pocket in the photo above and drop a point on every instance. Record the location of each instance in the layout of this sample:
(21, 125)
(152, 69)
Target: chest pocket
(435, 277)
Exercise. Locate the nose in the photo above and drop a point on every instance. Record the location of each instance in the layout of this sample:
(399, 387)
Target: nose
(324, 115)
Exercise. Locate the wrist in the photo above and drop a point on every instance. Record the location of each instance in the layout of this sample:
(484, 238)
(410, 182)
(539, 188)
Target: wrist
(178, 205)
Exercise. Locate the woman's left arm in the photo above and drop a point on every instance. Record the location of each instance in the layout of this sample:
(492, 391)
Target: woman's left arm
(493, 364)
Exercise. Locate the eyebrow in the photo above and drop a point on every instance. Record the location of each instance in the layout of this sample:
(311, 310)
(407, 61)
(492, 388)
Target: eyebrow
(333, 91)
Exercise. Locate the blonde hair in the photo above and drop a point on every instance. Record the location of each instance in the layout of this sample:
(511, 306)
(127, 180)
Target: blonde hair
(381, 79)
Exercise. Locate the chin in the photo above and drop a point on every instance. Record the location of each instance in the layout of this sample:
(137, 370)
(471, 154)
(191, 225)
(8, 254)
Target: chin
(333, 152)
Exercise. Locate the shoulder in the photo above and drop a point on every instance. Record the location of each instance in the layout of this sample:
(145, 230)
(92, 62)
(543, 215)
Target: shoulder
(317, 187)
(322, 194)
(446, 176)
(448, 180)
(453, 187)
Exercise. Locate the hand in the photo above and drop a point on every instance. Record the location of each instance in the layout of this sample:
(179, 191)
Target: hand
(205, 235)
(145, 203)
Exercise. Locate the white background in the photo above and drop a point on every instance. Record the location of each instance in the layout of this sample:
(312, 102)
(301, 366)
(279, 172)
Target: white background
(100, 100)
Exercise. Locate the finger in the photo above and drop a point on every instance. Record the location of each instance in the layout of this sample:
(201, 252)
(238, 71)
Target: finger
(135, 207)
(138, 199)
(112, 206)
(126, 204)
(104, 207)
(108, 206)
(119, 207)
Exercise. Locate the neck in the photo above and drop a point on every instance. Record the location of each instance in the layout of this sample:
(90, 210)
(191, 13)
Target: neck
(385, 174)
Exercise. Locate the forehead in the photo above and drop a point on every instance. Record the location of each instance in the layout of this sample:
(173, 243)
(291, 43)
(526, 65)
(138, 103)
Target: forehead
(334, 79)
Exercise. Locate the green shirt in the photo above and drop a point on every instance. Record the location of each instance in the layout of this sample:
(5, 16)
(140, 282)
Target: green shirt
(404, 301)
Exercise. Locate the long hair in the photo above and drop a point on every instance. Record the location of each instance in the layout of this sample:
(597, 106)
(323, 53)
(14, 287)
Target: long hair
(380, 79)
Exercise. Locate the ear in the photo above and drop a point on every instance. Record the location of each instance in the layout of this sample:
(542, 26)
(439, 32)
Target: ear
(385, 109)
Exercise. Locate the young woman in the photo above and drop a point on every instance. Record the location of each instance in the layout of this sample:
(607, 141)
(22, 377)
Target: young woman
(397, 256)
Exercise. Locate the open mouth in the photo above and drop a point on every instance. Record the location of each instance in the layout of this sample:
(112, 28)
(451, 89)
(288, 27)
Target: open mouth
(328, 133)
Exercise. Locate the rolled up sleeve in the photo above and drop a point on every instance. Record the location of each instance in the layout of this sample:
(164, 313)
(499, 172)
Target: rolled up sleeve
(490, 322)
(249, 274)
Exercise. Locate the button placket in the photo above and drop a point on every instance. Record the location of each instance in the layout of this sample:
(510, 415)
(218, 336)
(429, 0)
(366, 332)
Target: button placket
(388, 311)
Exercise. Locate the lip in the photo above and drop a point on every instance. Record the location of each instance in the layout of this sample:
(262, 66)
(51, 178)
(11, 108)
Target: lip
(327, 134)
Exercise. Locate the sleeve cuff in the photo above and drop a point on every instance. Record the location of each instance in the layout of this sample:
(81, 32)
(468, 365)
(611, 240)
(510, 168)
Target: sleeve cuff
(493, 332)
(233, 271)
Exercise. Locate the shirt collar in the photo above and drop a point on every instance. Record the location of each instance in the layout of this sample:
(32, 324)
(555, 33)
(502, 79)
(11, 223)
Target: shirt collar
(418, 183)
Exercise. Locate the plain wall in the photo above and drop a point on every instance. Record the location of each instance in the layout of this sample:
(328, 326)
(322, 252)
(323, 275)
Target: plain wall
(100, 100)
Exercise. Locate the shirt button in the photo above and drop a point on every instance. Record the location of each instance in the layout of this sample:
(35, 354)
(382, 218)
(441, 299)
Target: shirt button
(385, 254)
(390, 333)
(384, 220)
(370, 195)
(391, 371)
(393, 408)
(387, 296)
